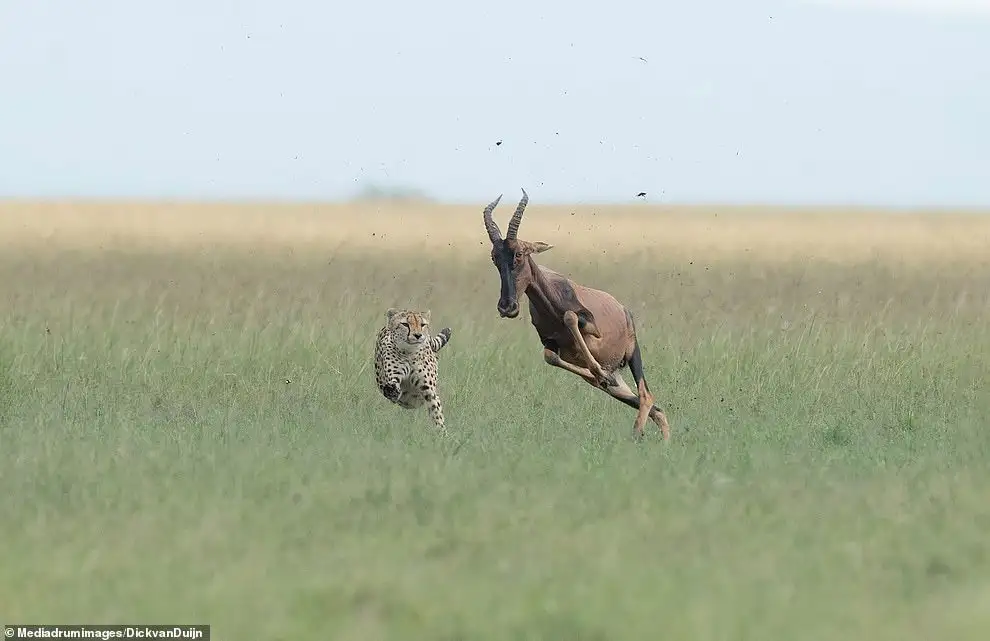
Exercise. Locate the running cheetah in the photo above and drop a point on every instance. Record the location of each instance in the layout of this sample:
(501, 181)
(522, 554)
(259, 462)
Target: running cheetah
(406, 361)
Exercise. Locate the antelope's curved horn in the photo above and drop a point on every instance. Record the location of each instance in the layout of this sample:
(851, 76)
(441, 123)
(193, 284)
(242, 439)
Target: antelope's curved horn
(517, 217)
(493, 232)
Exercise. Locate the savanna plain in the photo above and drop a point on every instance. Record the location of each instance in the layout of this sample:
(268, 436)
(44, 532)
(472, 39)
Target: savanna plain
(190, 430)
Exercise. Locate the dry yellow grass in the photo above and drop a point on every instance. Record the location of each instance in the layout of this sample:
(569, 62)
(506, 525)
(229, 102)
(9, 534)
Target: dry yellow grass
(712, 232)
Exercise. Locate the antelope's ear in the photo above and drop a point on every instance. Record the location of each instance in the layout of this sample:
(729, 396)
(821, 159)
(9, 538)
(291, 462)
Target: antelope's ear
(426, 316)
(390, 313)
(539, 247)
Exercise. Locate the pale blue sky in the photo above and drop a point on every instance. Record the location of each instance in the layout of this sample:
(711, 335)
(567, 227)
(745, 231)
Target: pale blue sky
(756, 101)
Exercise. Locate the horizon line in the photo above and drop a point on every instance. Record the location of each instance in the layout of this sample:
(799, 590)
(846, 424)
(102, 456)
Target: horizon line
(634, 202)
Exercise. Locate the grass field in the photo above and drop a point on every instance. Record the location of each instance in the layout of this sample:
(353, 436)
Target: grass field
(190, 429)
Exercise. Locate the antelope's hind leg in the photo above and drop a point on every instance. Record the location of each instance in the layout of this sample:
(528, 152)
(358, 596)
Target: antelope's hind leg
(619, 390)
(646, 398)
(643, 404)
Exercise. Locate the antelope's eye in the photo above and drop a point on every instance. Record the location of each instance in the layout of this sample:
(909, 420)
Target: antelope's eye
(518, 255)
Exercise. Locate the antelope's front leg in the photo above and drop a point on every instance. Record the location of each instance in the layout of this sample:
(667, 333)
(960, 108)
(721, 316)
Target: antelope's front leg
(553, 358)
(603, 379)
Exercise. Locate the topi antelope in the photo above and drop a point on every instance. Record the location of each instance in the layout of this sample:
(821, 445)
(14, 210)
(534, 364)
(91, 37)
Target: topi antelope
(584, 331)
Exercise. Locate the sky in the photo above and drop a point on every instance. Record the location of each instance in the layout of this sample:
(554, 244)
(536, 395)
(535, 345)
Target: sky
(875, 102)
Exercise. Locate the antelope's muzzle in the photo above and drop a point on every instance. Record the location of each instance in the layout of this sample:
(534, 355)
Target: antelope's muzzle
(510, 310)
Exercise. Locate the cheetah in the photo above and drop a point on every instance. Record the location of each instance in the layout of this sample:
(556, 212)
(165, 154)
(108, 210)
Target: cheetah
(406, 361)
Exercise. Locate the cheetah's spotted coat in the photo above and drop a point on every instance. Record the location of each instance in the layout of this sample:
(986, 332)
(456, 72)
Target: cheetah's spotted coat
(406, 361)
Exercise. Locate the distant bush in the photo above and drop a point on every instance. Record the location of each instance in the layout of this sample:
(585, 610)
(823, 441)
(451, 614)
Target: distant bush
(394, 193)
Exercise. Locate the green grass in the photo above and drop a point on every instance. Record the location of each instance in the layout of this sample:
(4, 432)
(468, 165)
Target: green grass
(198, 438)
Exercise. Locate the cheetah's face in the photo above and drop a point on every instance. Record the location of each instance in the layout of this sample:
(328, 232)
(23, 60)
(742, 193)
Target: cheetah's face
(410, 329)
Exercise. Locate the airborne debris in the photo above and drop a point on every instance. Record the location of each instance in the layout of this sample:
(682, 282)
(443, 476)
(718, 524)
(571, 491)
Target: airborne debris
(641, 194)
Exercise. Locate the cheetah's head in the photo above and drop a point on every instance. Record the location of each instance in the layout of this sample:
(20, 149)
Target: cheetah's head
(410, 329)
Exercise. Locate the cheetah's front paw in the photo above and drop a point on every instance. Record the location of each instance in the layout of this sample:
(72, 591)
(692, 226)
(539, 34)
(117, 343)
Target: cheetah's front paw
(391, 391)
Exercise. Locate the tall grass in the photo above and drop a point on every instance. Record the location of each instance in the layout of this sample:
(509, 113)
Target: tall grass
(194, 434)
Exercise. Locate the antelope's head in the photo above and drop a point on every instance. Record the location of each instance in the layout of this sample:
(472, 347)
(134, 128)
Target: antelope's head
(511, 257)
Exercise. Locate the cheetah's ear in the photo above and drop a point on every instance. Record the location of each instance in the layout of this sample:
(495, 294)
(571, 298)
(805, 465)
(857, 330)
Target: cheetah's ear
(426, 316)
(392, 311)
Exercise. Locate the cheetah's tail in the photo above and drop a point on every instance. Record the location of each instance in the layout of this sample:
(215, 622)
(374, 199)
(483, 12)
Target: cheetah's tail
(440, 339)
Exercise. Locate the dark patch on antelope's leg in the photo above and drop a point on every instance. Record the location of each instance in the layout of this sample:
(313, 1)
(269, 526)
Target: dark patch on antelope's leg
(621, 392)
(636, 367)
(645, 407)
